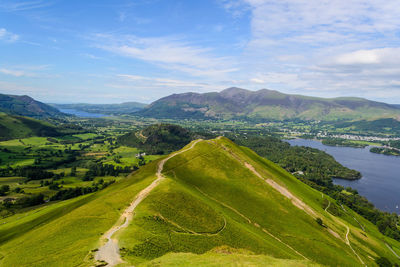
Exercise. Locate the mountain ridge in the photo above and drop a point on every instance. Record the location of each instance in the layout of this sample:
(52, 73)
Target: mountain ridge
(264, 104)
(24, 105)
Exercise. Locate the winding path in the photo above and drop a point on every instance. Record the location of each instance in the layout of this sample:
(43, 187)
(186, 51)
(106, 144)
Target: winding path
(109, 252)
(250, 222)
(327, 207)
(347, 235)
(348, 243)
(295, 201)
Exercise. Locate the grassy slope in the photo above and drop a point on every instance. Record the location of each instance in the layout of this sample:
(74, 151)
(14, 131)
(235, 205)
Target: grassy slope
(188, 214)
(64, 233)
(180, 216)
(224, 256)
(12, 127)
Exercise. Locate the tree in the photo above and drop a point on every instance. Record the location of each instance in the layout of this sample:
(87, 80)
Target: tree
(54, 187)
(4, 189)
(73, 171)
(383, 262)
(319, 221)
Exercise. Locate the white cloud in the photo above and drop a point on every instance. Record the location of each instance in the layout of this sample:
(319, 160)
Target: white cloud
(236, 7)
(164, 82)
(325, 48)
(87, 55)
(387, 56)
(16, 73)
(316, 16)
(257, 80)
(8, 36)
(169, 53)
(26, 71)
(15, 5)
(288, 81)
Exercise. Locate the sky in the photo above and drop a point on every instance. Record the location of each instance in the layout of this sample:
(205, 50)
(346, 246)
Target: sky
(115, 51)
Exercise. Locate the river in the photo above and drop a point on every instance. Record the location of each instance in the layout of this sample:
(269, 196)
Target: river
(380, 183)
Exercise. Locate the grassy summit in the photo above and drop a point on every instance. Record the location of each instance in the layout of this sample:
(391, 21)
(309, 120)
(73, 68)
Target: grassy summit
(159, 138)
(217, 204)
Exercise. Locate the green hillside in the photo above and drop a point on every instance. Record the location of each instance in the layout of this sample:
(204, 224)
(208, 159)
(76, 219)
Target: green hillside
(261, 105)
(386, 126)
(12, 127)
(212, 203)
(160, 138)
(27, 106)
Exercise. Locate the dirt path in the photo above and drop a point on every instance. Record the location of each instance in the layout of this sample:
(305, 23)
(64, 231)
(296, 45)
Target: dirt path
(327, 207)
(362, 227)
(188, 231)
(390, 248)
(109, 252)
(347, 236)
(295, 201)
(348, 243)
(250, 222)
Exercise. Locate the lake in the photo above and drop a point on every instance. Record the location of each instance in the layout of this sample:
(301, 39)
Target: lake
(380, 183)
(80, 113)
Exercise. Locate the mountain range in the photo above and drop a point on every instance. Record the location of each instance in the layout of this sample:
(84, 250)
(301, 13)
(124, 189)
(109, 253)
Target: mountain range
(27, 106)
(232, 103)
(237, 103)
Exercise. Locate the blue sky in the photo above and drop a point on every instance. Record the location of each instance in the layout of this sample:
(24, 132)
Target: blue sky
(117, 51)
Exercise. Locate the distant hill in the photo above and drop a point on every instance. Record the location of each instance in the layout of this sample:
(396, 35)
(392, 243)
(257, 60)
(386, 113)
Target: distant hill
(27, 106)
(370, 127)
(159, 138)
(237, 103)
(13, 127)
(108, 109)
(213, 203)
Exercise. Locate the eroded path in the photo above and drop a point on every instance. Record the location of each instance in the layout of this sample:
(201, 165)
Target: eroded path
(327, 207)
(109, 252)
(295, 201)
(250, 222)
(390, 248)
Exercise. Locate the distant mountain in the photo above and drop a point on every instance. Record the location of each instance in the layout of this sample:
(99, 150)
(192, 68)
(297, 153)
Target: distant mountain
(27, 106)
(13, 127)
(160, 138)
(237, 103)
(109, 109)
